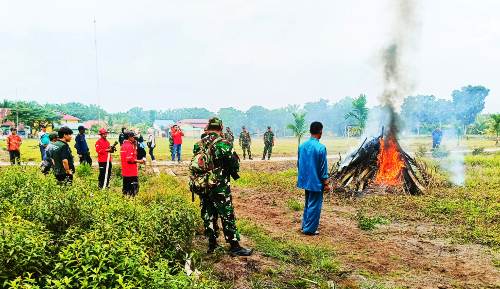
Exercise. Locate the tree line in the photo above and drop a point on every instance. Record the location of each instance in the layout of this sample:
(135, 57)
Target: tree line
(420, 114)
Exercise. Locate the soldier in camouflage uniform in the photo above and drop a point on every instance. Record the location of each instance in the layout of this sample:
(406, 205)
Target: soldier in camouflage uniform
(268, 143)
(212, 185)
(229, 135)
(170, 142)
(245, 143)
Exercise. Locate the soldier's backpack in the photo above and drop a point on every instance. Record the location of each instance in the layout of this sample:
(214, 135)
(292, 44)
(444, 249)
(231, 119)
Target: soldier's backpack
(201, 167)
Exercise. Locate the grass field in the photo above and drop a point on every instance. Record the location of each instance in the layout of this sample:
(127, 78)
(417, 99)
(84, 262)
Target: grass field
(284, 147)
(447, 238)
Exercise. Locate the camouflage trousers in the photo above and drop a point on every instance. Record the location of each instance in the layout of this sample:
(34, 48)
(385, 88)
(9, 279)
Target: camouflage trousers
(246, 149)
(215, 205)
(268, 149)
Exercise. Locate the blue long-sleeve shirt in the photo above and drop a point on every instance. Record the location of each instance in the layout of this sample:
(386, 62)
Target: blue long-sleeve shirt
(81, 144)
(312, 165)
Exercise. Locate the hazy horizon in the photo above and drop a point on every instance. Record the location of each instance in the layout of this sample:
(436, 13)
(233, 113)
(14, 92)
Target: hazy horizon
(158, 55)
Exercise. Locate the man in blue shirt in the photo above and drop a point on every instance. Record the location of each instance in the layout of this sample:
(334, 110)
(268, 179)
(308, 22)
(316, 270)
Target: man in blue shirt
(313, 177)
(82, 149)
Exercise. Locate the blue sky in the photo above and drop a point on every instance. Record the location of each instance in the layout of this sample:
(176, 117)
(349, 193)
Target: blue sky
(183, 53)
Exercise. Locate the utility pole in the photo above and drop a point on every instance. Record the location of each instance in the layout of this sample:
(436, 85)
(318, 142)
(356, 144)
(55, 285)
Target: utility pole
(98, 96)
(17, 111)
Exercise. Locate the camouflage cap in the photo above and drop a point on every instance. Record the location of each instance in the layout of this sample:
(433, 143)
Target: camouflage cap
(215, 122)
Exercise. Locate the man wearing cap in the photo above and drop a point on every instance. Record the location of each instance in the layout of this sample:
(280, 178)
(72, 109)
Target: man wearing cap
(245, 143)
(43, 141)
(48, 162)
(129, 162)
(103, 149)
(82, 149)
(63, 157)
(215, 194)
(13, 145)
(268, 143)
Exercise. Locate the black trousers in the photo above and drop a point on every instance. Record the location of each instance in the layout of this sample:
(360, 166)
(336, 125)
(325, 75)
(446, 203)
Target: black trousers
(130, 186)
(151, 153)
(15, 157)
(64, 179)
(85, 158)
(102, 174)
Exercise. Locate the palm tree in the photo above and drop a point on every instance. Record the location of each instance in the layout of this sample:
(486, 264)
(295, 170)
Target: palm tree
(359, 111)
(299, 125)
(496, 124)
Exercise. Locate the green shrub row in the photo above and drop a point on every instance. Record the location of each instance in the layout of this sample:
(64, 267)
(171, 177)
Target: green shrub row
(78, 236)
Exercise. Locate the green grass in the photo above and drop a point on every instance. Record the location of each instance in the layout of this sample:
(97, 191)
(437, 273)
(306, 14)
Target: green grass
(283, 181)
(471, 212)
(286, 147)
(367, 223)
(311, 262)
(294, 205)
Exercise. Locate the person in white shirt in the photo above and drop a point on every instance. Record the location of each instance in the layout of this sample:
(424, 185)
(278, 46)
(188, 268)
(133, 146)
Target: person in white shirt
(151, 143)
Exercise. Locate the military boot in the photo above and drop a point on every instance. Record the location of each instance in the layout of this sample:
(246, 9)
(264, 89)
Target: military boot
(237, 250)
(212, 245)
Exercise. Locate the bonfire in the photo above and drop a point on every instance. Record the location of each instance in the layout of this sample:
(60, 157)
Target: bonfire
(379, 166)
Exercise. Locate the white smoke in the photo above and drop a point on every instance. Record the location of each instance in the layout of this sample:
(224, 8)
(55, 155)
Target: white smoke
(454, 163)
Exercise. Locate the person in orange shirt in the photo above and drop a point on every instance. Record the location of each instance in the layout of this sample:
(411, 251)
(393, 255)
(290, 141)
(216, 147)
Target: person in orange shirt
(13, 144)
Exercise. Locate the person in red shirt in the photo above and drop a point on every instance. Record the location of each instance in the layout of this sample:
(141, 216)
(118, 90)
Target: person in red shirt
(104, 151)
(129, 165)
(177, 135)
(13, 144)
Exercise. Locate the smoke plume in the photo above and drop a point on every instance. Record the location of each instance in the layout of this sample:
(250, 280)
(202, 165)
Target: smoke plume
(398, 81)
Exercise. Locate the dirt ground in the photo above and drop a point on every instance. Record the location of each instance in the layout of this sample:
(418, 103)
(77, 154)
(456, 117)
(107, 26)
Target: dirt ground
(408, 255)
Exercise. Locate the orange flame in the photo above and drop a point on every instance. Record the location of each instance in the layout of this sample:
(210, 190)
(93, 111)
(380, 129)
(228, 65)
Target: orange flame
(390, 163)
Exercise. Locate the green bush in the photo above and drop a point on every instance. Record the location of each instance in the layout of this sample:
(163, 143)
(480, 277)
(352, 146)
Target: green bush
(78, 236)
(24, 247)
(97, 261)
(478, 151)
(83, 170)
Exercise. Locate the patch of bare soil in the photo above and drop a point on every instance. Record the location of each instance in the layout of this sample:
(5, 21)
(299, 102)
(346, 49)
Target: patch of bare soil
(405, 254)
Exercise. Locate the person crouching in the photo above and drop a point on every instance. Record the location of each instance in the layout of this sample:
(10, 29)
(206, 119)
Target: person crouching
(129, 162)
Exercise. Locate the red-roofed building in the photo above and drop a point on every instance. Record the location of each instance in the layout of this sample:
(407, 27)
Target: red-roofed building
(66, 118)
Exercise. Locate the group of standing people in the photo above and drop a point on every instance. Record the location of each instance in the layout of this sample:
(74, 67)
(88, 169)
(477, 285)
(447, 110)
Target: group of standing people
(245, 142)
(213, 165)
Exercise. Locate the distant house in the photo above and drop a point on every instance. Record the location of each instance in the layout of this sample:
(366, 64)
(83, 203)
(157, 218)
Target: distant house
(193, 127)
(67, 119)
(70, 121)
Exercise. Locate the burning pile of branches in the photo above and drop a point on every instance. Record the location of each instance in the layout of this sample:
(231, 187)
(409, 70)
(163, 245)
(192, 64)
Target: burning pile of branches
(379, 166)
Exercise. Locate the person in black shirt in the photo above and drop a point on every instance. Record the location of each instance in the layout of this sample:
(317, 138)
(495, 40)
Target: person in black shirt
(63, 158)
(121, 137)
(141, 148)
